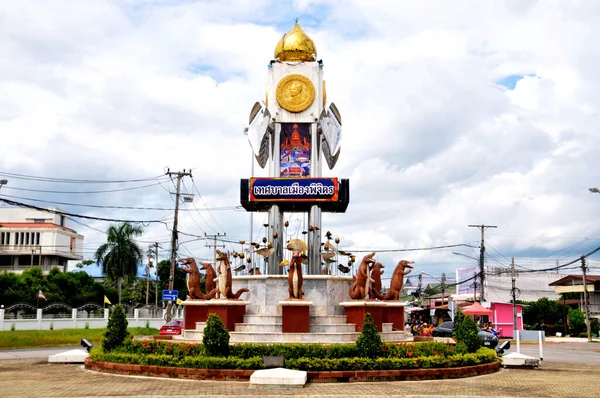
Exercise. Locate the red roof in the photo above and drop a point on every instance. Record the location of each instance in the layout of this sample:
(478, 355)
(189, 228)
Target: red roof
(589, 278)
(33, 225)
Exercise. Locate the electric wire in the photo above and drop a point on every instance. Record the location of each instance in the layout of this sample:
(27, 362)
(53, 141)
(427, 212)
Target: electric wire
(73, 181)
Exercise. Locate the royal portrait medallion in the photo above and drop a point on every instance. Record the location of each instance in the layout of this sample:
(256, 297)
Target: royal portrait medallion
(295, 93)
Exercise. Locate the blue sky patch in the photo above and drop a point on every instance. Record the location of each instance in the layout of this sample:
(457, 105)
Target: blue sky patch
(510, 81)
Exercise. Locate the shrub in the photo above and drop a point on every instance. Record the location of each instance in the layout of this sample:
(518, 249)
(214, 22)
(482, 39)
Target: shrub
(147, 324)
(87, 325)
(51, 325)
(216, 337)
(466, 331)
(12, 327)
(369, 342)
(116, 330)
(576, 322)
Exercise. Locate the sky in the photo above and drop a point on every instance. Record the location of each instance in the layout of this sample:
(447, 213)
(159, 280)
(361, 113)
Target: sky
(454, 113)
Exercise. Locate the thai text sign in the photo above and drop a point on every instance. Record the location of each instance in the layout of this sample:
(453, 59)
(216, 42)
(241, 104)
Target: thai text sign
(294, 189)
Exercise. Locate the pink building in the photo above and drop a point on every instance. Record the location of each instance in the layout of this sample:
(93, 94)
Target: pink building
(503, 318)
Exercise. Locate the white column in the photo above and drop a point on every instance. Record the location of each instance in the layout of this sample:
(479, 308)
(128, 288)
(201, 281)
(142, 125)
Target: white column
(74, 317)
(39, 318)
(136, 317)
(106, 313)
(2, 318)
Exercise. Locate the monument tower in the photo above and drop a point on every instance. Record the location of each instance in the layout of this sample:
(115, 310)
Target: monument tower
(291, 133)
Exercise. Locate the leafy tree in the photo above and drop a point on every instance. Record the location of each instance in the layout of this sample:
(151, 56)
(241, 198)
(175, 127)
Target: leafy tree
(83, 263)
(550, 312)
(369, 342)
(116, 330)
(215, 337)
(179, 282)
(466, 331)
(120, 255)
(576, 322)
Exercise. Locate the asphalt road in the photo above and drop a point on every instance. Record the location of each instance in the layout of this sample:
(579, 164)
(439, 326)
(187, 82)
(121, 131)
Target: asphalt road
(575, 353)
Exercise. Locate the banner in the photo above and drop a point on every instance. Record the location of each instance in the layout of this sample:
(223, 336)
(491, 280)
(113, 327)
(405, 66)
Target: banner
(294, 189)
(295, 150)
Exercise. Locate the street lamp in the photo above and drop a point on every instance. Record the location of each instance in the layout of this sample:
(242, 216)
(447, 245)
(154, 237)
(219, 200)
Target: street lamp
(3, 182)
(592, 190)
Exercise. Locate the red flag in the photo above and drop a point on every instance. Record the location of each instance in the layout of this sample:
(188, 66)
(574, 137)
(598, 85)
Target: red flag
(41, 296)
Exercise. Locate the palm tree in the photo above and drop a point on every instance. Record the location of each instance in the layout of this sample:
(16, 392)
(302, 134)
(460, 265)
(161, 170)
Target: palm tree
(120, 255)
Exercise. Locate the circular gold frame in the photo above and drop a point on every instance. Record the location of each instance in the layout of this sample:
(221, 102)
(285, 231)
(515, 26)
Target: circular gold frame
(300, 101)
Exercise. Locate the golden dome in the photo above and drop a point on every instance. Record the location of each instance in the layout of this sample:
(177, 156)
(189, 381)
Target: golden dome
(295, 46)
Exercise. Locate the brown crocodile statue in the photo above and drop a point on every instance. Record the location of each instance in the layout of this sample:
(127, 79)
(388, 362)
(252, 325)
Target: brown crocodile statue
(398, 280)
(210, 275)
(376, 272)
(193, 281)
(295, 276)
(362, 281)
(224, 288)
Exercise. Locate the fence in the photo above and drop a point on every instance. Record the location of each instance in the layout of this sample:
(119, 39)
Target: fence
(48, 321)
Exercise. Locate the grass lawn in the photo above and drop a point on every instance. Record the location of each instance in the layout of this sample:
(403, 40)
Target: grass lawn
(59, 338)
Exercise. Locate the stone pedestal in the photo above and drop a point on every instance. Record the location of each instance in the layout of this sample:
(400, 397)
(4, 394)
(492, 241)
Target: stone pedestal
(295, 316)
(231, 311)
(393, 313)
(355, 311)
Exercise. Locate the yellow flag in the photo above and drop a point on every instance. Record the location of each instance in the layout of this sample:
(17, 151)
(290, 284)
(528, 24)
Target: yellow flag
(178, 302)
(107, 301)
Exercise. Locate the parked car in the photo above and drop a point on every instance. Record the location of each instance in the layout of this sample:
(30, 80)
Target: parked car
(445, 329)
(174, 327)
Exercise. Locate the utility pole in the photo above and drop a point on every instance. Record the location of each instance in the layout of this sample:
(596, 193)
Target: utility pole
(474, 286)
(214, 244)
(420, 285)
(180, 175)
(585, 300)
(443, 288)
(514, 295)
(482, 258)
(156, 262)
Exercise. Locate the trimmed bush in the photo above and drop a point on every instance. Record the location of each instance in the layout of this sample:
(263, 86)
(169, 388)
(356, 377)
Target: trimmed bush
(116, 330)
(466, 331)
(216, 337)
(369, 342)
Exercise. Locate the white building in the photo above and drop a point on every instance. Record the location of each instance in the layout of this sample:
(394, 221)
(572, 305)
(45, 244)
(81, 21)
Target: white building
(33, 238)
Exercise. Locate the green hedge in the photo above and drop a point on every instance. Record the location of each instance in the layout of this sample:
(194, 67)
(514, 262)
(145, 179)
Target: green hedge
(389, 350)
(174, 354)
(483, 355)
(197, 362)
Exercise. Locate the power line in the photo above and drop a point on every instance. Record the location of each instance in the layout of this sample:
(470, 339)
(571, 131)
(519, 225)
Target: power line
(73, 181)
(408, 250)
(83, 192)
(64, 213)
(103, 206)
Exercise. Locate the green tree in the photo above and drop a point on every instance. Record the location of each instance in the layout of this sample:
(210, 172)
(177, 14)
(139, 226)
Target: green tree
(466, 331)
(120, 255)
(215, 337)
(369, 342)
(116, 330)
(83, 263)
(576, 322)
(179, 283)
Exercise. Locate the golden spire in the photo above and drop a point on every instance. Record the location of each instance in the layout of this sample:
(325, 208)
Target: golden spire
(295, 46)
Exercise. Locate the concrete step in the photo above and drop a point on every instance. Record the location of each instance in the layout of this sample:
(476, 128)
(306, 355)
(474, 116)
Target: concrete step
(327, 319)
(262, 319)
(243, 337)
(333, 328)
(258, 327)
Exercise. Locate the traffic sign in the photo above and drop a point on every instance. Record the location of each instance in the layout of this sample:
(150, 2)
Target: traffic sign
(170, 295)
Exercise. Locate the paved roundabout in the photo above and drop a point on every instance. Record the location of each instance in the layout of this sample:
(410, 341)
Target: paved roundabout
(34, 377)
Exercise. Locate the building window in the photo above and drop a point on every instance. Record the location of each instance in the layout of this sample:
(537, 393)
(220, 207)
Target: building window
(37, 238)
(27, 238)
(4, 238)
(39, 220)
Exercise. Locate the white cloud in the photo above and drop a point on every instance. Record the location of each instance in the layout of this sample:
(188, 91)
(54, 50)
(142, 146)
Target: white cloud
(431, 143)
